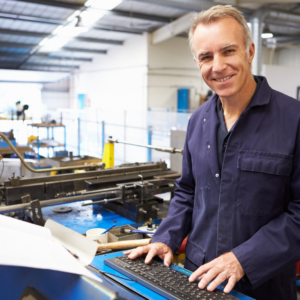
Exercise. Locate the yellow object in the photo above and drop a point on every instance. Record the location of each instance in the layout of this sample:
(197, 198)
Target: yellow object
(79, 171)
(109, 155)
(52, 173)
(32, 137)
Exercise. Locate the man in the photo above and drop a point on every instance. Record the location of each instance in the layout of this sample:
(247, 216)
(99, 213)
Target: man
(238, 198)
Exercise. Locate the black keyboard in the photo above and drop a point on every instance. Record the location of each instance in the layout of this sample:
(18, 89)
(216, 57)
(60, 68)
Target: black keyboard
(167, 282)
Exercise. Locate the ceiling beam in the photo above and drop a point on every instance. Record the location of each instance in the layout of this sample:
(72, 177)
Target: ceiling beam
(30, 19)
(50, 65)
(25, 33)
(172, 29)
(43, 35)
(17, 45)
(84, 50)
(117, 29)
(102, 41)
(54, 3)
(140, 16)
(46, 57)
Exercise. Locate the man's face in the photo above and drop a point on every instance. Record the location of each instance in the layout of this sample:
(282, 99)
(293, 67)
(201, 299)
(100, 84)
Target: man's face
(222, 58)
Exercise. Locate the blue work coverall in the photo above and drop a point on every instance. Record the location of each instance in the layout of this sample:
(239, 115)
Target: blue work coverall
(253, 207)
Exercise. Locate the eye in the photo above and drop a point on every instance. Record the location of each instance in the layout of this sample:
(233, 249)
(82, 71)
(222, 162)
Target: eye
(229, 51)
(204, 58)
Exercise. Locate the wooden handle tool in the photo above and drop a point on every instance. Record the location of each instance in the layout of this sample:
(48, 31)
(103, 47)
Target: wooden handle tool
(124, 244)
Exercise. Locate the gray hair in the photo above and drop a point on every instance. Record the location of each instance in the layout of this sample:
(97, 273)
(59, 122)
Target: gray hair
(216, 13)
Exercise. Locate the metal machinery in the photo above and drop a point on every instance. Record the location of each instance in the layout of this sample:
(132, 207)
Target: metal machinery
(129, 190)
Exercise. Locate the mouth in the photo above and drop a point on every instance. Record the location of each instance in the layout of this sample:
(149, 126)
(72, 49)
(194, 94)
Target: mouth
(223, 79)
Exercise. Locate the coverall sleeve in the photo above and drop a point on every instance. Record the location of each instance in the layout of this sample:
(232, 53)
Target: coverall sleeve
(275, 246)
(176, 226)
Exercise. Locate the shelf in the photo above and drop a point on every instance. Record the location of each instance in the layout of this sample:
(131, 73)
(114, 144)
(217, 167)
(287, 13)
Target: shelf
(21, 149)
(41, 125)
(46, 145)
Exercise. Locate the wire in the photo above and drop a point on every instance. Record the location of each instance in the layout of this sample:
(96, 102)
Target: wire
(106, 273)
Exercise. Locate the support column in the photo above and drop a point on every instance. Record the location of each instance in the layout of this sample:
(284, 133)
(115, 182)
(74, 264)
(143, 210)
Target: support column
(256, 31)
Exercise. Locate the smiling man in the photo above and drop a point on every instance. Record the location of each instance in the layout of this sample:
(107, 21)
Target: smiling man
(238, 198)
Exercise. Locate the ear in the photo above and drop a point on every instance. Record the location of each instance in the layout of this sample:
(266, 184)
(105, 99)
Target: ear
(251, 53)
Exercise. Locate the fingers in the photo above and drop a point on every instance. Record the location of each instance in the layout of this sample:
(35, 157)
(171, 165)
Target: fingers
(127, 252)
(230, 285)
(138, 252)
(199, 272)
(218, 280)
(211, 274)
(168, 259)
(153, 251)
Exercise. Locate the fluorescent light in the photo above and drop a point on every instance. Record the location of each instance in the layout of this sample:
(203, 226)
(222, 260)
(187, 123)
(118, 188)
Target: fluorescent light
(267, 35)
(90, 17)
(69, 31)
(54, 44)
(57, 29)
(103, 4)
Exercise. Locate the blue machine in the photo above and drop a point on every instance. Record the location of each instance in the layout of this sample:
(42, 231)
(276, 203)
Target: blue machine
(182, 100)
(53, 285)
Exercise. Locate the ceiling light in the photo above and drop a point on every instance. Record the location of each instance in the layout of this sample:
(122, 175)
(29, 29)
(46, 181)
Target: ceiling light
(103, 4)
(69, 31)
(54, 44)
(57, 30)
(44, 41)
(267, 35)
(90, 17)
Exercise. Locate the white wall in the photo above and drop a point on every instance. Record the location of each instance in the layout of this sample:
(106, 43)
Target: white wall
(117, 80)
(55, 99)
(171, 67)
(289, 57)
(56, 95)
(284, 79)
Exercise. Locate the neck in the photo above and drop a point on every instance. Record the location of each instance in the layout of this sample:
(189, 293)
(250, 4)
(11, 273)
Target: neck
(235, 105)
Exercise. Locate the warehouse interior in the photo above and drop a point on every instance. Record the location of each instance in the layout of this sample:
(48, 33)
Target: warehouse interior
(96, 97)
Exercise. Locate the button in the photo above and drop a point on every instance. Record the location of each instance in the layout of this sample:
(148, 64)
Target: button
(217, 175)
(208, 146)
(204, 120)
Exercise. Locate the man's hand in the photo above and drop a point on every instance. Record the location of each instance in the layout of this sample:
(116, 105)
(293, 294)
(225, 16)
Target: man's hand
(218, 270)
(160, 249)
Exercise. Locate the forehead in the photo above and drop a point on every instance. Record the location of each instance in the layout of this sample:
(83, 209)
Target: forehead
(217, 34)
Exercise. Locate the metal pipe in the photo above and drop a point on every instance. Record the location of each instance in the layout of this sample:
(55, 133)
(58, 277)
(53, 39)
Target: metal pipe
(85, 192)
(23, 206)
(48, 169)
(104, 201)
(162, 149)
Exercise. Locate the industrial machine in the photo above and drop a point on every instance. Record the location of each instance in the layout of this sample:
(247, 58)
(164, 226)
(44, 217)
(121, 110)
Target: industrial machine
(129, 190)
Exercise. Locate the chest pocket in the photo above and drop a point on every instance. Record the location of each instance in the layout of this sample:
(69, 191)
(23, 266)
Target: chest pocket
(262, 181)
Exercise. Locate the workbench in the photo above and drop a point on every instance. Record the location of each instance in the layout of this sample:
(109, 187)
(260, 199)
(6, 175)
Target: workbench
(83, 218)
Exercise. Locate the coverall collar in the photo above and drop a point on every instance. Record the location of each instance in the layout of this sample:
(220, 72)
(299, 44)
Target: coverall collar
(261, 96)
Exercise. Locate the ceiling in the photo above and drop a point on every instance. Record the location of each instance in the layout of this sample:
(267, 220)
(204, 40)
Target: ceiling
(28, 27)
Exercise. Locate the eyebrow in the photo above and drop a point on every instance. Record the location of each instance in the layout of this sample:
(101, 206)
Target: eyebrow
(229, 45)
(224, 47)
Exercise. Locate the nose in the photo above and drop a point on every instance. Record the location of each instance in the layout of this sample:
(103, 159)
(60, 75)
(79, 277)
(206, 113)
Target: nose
(219, 64)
